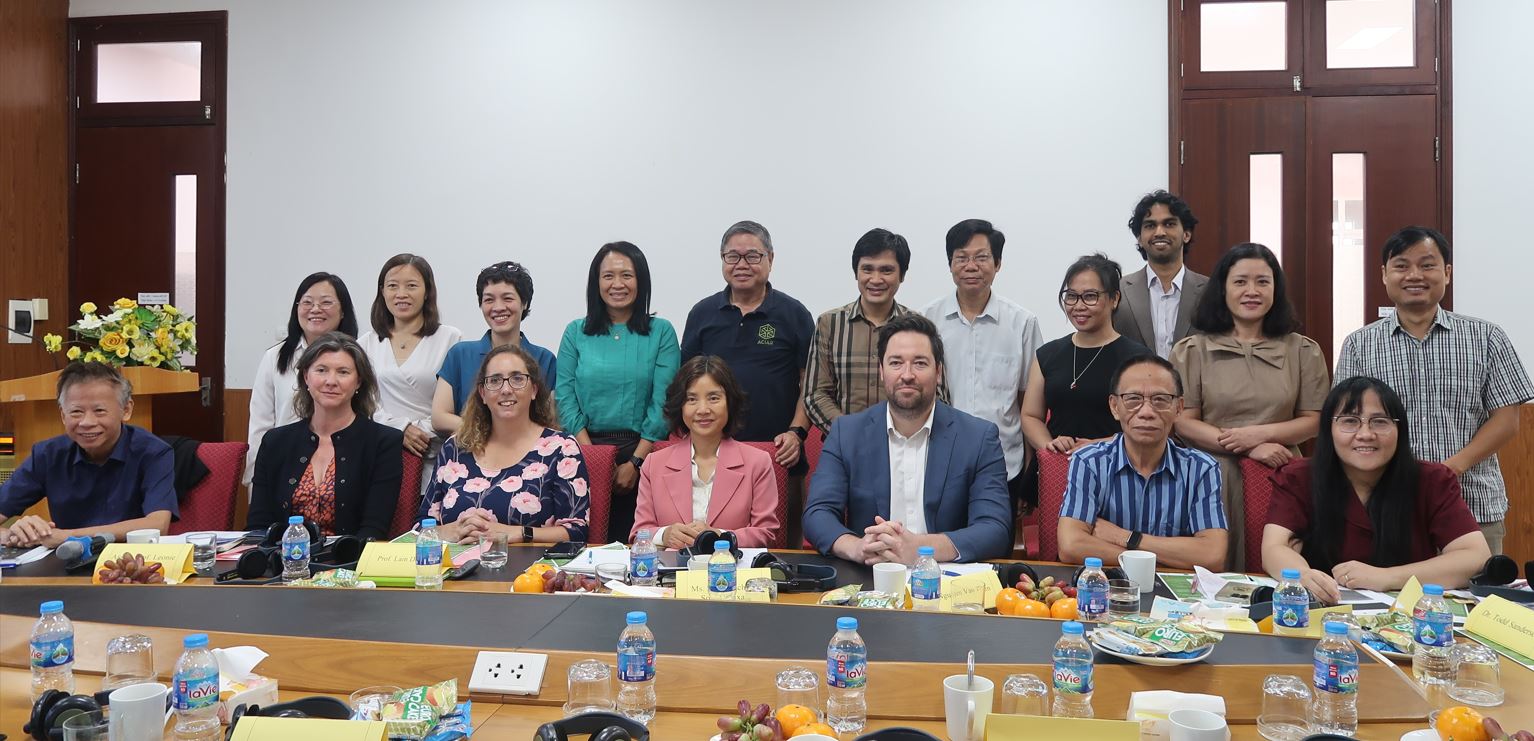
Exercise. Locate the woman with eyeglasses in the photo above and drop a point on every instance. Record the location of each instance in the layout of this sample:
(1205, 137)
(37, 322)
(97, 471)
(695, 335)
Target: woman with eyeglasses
(1363, 512)
(321, 304)
(1254, 385)
(1065, 406)
(509, 468)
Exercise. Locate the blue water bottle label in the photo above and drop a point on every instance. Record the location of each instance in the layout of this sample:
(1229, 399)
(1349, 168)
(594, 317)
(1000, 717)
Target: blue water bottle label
(721, 577)
(927, 587)
(296, 551)
(1093, 601)
(196, 691)
(1291, 613)
(1075, 677)
(1433, 629)
(642, 567)
(49, 654)
(846, 670)
(1338, 679)
(638, 667)
(428, 554)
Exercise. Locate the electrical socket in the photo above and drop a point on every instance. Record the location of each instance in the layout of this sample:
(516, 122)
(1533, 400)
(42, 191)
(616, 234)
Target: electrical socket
(508, 673)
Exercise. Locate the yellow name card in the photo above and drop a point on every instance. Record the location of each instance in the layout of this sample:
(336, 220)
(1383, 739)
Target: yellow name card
(1406, 601)
(999, 727)
(262, 728)
(392, 560)
(692, 584)
(175, 559)
(980, 587)
(1505, 622)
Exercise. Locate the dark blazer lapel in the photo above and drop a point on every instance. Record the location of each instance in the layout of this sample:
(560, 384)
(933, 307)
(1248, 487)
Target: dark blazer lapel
(877, 436)
(727, 479)
(939, 450)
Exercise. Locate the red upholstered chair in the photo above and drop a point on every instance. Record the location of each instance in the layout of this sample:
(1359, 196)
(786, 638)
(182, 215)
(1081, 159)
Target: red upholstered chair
(600, 462)
(812, 446)
(408, 507)
(210, 504)
(1257, 487)
(1053, 468)
(779, 472)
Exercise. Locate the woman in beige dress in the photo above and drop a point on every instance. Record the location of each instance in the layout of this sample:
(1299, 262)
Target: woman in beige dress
(1254, 386)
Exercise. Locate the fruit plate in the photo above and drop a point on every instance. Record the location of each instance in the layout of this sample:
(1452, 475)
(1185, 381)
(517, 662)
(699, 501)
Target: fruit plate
(1157, 660)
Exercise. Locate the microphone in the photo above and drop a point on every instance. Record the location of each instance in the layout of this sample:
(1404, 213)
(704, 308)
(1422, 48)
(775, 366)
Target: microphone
(82, 548)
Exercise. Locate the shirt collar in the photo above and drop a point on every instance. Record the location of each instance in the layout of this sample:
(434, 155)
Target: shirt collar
(1444, 318)
(485, 339)
(768, 299)
(1155, 280)
(855, 309)
(119, 451)
(1121, 457)
(951, 306)
(889, 423)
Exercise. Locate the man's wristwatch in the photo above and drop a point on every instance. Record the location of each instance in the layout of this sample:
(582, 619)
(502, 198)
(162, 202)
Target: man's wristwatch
(1134, 540)
(527, 533)
(800, 431)
(637, 460)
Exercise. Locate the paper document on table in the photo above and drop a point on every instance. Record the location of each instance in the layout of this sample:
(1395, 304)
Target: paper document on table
(23, 558)
(962, 569)
(586, 561)
(219, 536)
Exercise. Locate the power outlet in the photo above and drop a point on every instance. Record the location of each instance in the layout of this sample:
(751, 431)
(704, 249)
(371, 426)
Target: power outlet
(508, 673)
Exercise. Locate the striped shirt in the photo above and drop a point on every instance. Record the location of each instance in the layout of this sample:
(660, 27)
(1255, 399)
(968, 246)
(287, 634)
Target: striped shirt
(1450, 383)
(843, 372)
(1180, 498)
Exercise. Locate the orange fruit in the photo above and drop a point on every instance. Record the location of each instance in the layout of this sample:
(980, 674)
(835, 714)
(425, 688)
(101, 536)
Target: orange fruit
(1032, 608)
(791, 717)
(1461, 724)
(1006, 601)
(1063, 609)
(528, 582)
(539, 568)
(809, 728)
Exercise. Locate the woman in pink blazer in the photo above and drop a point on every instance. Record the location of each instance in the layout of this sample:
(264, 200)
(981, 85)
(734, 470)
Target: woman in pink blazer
(707, 480)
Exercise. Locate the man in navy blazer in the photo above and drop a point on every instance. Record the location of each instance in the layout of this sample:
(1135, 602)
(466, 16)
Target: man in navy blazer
(911, 471)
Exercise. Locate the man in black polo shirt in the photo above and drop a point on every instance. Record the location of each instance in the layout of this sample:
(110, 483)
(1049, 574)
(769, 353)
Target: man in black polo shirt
(764, 335)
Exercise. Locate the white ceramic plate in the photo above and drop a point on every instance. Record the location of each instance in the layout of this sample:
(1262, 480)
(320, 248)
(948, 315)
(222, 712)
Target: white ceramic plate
(1157, 660)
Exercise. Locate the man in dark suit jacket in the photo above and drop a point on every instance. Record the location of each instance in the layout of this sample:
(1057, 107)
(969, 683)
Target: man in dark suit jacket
(911, 471)
(1160, 298)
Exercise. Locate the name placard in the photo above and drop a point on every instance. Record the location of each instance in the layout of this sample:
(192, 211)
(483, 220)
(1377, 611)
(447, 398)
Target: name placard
(999, 727)
(382, 560)
(693, 584)
(1406, 601)
(175, 559)
(980, 587)
(262, 728)
(1504, 622)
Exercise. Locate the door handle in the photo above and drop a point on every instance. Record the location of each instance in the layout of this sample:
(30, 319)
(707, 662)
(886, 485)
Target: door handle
(206, 387)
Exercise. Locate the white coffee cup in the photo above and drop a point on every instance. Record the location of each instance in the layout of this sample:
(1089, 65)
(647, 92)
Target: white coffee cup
(1197, 725)
(1140, 567)
(889, 578)
(965, 708)
(144, 536)
(138, 712)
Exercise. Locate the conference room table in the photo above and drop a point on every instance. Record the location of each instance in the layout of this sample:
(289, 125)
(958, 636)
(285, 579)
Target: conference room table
(711, 654)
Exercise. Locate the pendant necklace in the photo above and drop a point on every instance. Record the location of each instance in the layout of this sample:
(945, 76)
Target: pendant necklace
(1077, 376)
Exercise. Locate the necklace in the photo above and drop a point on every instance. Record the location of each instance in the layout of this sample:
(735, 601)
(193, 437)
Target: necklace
(1077, 376)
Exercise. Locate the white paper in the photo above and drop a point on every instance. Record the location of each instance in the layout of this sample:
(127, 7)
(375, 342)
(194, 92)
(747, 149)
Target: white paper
(36, 554)
(236, 664)
(587, 560)
(626, 590)
(219, 536)
(963, 569)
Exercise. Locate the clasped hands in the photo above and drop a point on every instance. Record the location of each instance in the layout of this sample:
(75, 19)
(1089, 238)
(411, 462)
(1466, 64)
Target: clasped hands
(1346, 575)
(31, 530)
(471, 523)
(887, 541)
(1250, 442)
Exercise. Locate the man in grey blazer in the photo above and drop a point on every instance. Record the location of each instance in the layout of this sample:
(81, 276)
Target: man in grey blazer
(1161, 296)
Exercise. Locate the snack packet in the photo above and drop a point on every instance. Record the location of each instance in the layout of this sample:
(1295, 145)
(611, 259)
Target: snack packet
(1124, 643)
(1172, 637)
(878, 600)
(412, 713)
(335, 578)
(840, 595)
(454, 726)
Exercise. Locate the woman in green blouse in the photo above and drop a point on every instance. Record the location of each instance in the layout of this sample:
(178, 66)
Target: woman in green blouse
(613, 369)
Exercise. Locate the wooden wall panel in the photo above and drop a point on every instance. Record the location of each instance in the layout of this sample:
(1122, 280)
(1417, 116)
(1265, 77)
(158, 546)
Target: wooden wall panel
(34, 159)
(1517, 459)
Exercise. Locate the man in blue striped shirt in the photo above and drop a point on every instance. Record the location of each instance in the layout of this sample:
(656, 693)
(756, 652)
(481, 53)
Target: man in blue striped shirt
(1141, 491)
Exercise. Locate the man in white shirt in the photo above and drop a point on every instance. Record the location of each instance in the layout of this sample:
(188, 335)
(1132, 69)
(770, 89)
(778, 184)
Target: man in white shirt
(1159, 299)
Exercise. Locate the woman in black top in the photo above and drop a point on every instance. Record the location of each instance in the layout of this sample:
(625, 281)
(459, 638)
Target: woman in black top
(335, 465)
(1065, 405)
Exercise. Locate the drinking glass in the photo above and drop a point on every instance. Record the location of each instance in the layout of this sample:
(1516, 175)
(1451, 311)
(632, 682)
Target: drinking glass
(130, 660)
(204, 551)
(589, 688)
(1285, 708)
(1477, 675)
(1024, 694)
(800, 686)
(492, 549)
(91, 726)
(368, 702)
(607, 572)
(1123, 598)
(698, 562)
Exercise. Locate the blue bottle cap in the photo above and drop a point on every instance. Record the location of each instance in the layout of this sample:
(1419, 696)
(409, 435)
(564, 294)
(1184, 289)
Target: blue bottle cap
(637, 617)
(1094, 563)
(846, 623)
(645, 533)
(721, 545)
(1072, 628)
(195, 640)
(1291, 574)
(296, 520)
(50, 607)
(429, 522)
(1336, 628)
(925, 550)
(1434, 589)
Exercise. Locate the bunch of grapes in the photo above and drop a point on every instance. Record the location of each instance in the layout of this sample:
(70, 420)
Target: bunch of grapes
(131, 569)
(751, 724)
(562, 581)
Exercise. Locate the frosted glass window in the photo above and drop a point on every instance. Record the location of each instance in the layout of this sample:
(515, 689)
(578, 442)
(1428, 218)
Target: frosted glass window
(185, 296)
(1347, 246)
(1370, 33)
(1267, 202)
(1237, 37)
(150, 72)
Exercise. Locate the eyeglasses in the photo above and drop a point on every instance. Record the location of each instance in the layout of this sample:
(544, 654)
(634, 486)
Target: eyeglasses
(752, 258)
(1071, 298)
(1158, 402)
(983, 258)
(518, 382)
(1349, 424)
(311, 305)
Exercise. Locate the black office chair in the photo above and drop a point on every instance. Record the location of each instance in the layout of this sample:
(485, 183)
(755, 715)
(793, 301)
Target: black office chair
(898, 734)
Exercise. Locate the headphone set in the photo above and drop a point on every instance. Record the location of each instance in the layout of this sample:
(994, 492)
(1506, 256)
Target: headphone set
(790, 577)
(262, 564)
(305, 707)
(1497, 574)
(597, 726)
(53, 707)
(703, 545)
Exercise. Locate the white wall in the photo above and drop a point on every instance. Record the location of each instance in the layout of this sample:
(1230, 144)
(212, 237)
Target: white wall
(480, 130)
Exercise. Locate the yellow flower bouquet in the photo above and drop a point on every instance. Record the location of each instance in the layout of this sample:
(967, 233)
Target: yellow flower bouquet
(153, 336)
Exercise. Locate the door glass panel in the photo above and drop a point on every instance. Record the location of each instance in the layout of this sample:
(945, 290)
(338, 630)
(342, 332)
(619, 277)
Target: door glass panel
(1370, 33)
(185, 297)
(150, 72)
(1347, 246)
(1236, 37)
(1267, 202)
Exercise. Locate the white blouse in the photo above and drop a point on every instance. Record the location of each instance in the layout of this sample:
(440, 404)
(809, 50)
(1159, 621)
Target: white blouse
(702, 491)
(405, 390)
(271, 400)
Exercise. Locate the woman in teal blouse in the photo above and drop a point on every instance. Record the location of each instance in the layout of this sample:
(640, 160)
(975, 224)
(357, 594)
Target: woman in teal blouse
(613, 369)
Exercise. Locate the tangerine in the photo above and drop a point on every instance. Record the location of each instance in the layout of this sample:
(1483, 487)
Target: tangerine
(528, 582)
(539, 568)
(1006, 601)
(1461, 724)
(812, 728)
(791, 717)
(1063, 609)
(1032, 608)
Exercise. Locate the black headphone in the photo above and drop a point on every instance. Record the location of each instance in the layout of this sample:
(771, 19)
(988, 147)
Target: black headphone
(598, 726)
(53, 707)
(1010, 573)
(264, 562)
(304, 707)
(703, 545)
(804, 577)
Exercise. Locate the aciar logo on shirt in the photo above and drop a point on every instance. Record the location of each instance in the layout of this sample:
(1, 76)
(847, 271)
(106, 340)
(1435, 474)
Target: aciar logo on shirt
(766, 334)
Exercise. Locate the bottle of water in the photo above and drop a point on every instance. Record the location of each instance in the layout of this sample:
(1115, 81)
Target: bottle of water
(428, 556)
(295, 550)
(721, 572)
(1092, 591)
(642, 561)
(846, 678)
(1291, 605)
(636, 669)
(1433, 631)
(1335, 709)
(196, 691)
(53, 651)
(1073, 672)
(926, 581)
